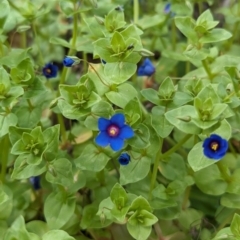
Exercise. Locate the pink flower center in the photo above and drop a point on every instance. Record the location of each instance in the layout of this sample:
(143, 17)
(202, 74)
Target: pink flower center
(113, 130)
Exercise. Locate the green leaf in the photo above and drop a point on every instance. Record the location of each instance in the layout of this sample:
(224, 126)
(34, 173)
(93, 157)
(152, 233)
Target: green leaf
(174, 167)
(141, 137)
(118, 196)
(38, 227)
(120, 72)
(114, 20)
(60, 172)
(150, 21)
(58, 208)
(117, 43)
(166, 88)
(159, 122)
(235, 225)
(7, 121)
(122, 95)
(140, 203)
(57, 234)
(60, 42)
(230, 200)
(28, 117)
(91, 220)
(142, 218)
(177, 118)
(92, 159)
(186, 25)
(197, 159)
(215, 35)
(151, 95)
(102, 109)
(135, 170)
(22, 170)
(51, 137)
(139, 232)
(224, 233)
(207, 179)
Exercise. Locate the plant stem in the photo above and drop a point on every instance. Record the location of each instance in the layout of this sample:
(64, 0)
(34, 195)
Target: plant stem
(62, 127)
(174, 36)
(155, 169)
(38, 43)
(4, 157)
(177, 146)
(71, 51)
(135, 11)
(207, 69)
(186, 197)
(173, 143)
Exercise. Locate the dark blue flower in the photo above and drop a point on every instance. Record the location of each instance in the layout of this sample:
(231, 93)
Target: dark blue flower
(215, 147)
(68, 62)
(146, 69)
(35, 181)
(113, 131)
(50, 70)
(124, 159)
(167, 8)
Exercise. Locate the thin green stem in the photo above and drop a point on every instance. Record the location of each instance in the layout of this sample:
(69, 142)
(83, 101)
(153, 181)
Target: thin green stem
(24, 40)
(62, 127)
(135, 11)
(173, 143)
(186, 197)
(41, 59)
(207, 69)
(71, 50)
(174, 36)
(177, 146)
(4, 157)
(155, 169)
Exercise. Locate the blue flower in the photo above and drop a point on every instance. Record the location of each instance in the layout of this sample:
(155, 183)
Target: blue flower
(113, 131)
(124, 159)
(215, 147)
(167, 8)
(35, 181)
(146, 69)
(68, 62)
(50, 70)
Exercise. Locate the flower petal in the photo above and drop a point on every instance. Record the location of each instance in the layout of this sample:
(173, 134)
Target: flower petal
(126, 132)
(116, 144)
(103, 124)
(118, 119)
(102, 139)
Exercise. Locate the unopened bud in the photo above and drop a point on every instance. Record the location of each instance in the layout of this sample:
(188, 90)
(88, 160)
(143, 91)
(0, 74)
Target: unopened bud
(145, 53)
(185, 119)
(100, 20)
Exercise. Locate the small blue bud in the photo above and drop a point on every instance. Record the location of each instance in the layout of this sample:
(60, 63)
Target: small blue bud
(68, 62)
(124, 159)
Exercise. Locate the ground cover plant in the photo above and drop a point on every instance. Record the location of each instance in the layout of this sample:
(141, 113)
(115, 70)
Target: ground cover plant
(119, 120)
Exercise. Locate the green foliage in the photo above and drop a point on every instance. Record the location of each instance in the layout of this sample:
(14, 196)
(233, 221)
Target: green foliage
(56, 182)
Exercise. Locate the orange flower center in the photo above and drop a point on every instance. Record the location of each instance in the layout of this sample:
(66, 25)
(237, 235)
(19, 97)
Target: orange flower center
(214, 146)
